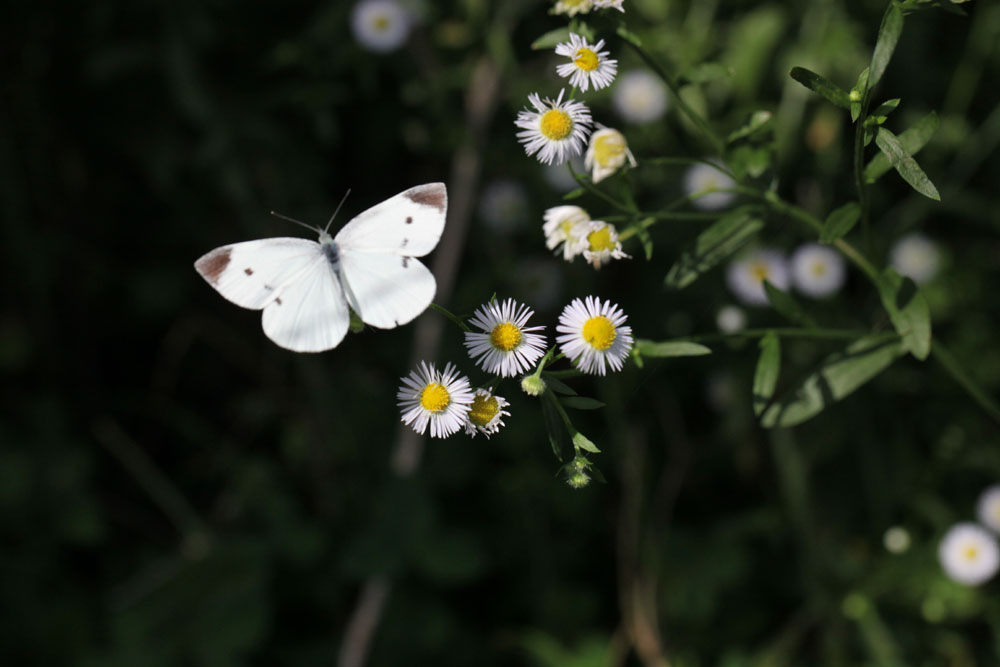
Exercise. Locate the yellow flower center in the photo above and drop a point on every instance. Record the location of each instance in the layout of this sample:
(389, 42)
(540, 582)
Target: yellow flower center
(435, 398)
(484, 408)
(759, 271)
(601, 240)
(599, 332)
(556, 124)
(818, 269)
(586, 60)
(505, 336)
(970, 552)
(381, 22)
(609, 150)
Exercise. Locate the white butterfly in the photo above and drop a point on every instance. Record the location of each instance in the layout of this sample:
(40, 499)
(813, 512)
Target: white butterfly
(305, 287)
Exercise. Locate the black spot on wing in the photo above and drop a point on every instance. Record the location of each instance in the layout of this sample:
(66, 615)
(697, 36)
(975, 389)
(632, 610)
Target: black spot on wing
(277, 300)
(405, 241)
(248, 271)
(406, 262)
(409, 219)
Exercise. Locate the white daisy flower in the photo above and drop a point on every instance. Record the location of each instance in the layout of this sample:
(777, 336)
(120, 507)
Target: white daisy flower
(896, 540)
(969, 554)
(701, 178)
(556, 130)
(593, 335)
(507, 347)
(988, 508)
(485, 413)
(746, 275)
(599, 243)
(731, 319)
(503, 205)
(380, 25)
(588, 66)
(916, 256)
(817, 270)
(609, 4)
(607, 152)
(573, 7)
(639, 97)
(566, 225)
(439, 399)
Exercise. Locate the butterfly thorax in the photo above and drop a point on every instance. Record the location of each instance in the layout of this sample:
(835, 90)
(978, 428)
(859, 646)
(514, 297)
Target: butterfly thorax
(330, 249)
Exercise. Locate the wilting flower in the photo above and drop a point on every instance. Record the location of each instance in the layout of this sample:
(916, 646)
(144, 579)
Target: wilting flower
(606, 154)
(599, 243)
(485, 413)
(565, 225)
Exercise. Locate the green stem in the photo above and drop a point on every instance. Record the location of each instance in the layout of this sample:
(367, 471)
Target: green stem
(589, 187)
(451, 316)
(685, 161)
(786, 332)
(958, 374)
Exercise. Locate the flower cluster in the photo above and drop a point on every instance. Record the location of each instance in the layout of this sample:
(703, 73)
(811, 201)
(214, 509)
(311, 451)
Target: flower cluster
(968, 552)
(572, 228)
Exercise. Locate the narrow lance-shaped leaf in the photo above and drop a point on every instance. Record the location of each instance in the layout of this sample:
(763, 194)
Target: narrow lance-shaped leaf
(912, 140)
(908, 310)
(580, 441)
(787, 306)
(551, 39)
(888, 36)
(839, 222)
(581, 403)
(822, 85)
(838, 376)
(558, 438)
(905, 165)
(720, 240)
(765, 377)
(670, 348)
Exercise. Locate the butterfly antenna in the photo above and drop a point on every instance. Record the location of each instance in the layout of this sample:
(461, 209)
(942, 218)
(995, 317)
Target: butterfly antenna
(337, 211)
(297, 222)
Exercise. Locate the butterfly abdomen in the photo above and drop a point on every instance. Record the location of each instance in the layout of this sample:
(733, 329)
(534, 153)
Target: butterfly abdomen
(332, 253)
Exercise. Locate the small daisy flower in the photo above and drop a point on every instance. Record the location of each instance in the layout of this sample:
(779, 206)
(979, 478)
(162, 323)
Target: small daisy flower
(746, 275)
(607, 152)
(988, 508)
(380, 25)
(701, 178)
(599, 243)
(503, 205)
(439, 399)
(573, 7)
(817, 270)
(593, 335)
(969, 554)
(556, 130)
(731, 319)
(610, 4)
(639, 97)
(507, 347)
(915, 256)
(566, 225)
(485, 413)
(588, 66)
(896, 540)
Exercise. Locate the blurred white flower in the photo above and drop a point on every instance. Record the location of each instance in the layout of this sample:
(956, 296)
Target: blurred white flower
(817, 270)
(555, 130)
(588, 66)
(485, 413)
(745, 275)
(639, 97)
(896, 539)
(503, 205)
(593, 335)
(607, 152)
(969, 554)
(566, 225)
(380, 25)
(703, 177)
(988, 508)
(573, 7)
(610, 4)
(731, 319)
(599, 243)
(916, 256)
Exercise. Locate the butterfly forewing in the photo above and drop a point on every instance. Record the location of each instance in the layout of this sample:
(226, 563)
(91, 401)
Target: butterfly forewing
(386, 290)
(253, 273)
(408, 224)
(310, 314)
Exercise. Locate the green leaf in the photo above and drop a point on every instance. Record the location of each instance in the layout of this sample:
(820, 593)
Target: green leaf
(554, 426)
(629, 36)
(574, 194)
(953, 368)
(912, 140)
(908, 310)
(905, 165)
(646, 240)
(580, 441)
(837, 376)
(822, 85)
(839, 222)
(888, 35)
(581, 403)
(750, 160)
(788, 307)
(883, 110)
(557, 385)
(858, 93)
(765, 377)
(670, 348)
(758, 121)
(720, 240)
(705, 72)
(551, 39)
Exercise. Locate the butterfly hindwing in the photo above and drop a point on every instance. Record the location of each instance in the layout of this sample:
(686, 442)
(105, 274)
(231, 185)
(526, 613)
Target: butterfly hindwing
(408, 224)
(251, 274)
(310, 314)
(386, 290)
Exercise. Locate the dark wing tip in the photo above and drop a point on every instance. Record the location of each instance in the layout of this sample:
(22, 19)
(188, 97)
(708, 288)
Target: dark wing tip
(211, 265)
(429, 194)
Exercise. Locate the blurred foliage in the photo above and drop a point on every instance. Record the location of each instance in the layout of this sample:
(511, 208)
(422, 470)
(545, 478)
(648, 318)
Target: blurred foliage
(175, 489)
